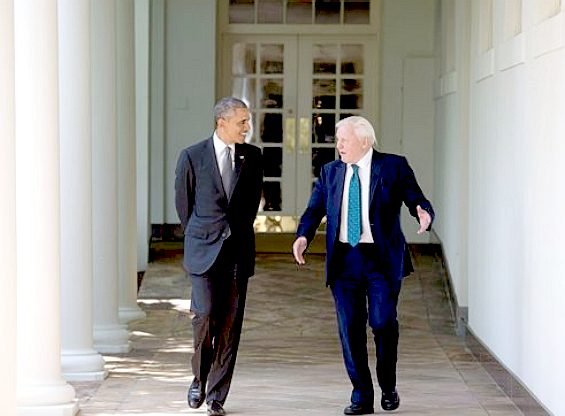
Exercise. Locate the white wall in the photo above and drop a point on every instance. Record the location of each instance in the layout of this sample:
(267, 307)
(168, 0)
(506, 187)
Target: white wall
(516, 190)
(186, 39)
(451, 170)
(407, 45)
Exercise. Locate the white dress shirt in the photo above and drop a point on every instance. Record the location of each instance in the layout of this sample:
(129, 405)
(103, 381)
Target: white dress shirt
(365, 179)
(220, 149)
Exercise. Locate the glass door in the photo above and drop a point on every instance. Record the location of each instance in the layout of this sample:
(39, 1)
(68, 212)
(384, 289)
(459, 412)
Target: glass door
(337, 80)
(298, 87)
(263, 74)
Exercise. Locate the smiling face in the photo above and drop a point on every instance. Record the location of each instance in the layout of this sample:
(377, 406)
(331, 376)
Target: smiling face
(233, 127)
(350, 147)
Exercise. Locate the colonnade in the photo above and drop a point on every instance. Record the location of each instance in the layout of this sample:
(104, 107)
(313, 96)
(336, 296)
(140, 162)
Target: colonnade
(68, 206)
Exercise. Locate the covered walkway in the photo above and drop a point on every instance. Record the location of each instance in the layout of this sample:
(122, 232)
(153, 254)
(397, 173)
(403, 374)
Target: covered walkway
(290, 360)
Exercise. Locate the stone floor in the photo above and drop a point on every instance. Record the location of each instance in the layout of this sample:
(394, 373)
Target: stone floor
(290, 361)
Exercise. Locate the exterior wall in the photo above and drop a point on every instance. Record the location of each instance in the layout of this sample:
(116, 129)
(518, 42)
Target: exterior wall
(451, 175)
(516, 188)
(188, 81)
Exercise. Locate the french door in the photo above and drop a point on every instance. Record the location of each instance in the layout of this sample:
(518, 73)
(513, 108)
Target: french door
(298, 87)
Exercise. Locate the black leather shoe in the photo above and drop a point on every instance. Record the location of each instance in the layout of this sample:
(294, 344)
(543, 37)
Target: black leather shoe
(215, 409)
(196, 394)
(358, 409)
(390, 400)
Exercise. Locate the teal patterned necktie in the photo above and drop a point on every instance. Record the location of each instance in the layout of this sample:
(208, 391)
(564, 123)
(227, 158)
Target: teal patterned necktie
(354, 209)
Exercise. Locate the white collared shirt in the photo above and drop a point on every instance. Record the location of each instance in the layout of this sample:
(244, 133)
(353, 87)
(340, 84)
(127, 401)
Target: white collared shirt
(220, 149)
(365, 178)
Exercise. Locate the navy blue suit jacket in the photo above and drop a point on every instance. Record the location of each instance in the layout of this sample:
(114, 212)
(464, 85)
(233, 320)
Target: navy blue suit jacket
(392, 183)
(208, 215)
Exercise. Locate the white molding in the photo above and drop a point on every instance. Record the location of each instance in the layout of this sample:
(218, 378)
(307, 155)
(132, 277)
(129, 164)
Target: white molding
(511, 52)
(549, 35)
(485, 65)
(449, 83)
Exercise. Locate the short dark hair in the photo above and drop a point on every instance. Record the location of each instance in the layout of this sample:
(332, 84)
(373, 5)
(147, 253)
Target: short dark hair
(225, 106)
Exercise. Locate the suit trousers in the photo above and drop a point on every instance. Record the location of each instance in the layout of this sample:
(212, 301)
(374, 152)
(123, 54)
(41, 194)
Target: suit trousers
(218, 303)
(362, 293)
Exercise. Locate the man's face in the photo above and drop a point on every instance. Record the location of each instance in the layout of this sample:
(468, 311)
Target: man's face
(234, 127)
(350, 148)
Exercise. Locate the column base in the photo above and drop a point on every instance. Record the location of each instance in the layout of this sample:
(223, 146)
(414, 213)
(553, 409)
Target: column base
(57, 399)
(83, 365)
(62, 410)
(111, 339)
(128, 314)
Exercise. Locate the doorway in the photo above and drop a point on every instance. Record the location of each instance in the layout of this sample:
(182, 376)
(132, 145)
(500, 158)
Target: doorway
(298, 87)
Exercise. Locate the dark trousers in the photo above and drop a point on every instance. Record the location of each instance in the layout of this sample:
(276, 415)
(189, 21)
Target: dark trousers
(361, 294)
(218, 303)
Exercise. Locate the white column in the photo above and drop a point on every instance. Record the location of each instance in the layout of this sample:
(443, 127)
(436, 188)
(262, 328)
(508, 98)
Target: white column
(79, 360)
(127, 223)
(142, 27)
(40, 387)
(109, 335)
(7, 212)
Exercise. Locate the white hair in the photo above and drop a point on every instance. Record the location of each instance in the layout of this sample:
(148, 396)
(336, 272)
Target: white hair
(361, 126)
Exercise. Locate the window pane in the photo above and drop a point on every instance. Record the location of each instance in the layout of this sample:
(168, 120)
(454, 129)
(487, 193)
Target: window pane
(271, 128)
(271, 196)
(299, 11)
(324, 59)
(272, 59)
(351, 93)
(244, 89)
(242, 11)
(271, 93)
(352, 59)
(323, 128)
(327, 11)
(243, 61)
(319, 158)
(269, 11)
(356, 12)
(323, 91)
(272, 162)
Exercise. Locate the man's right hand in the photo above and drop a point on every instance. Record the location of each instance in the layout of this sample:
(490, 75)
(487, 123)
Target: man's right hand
(298, 249)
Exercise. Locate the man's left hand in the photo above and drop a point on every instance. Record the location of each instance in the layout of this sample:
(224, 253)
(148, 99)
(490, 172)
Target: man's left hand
(424, 218)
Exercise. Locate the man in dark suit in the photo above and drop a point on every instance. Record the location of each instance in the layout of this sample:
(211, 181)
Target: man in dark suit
(367, 256)
(218, 188)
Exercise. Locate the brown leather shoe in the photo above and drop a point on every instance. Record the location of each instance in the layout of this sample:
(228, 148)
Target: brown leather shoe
(196, 394)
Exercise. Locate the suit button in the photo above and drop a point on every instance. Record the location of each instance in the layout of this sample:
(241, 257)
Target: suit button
(224, 235)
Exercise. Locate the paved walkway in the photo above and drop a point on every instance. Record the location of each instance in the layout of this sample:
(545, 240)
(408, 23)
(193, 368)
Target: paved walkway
(290, 360)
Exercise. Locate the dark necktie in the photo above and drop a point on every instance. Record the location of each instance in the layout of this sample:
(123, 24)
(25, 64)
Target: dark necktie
(354, 209)
(227, 170)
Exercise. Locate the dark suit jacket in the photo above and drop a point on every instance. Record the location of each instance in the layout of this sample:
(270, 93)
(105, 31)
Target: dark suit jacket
(209, 216)
(392, 183)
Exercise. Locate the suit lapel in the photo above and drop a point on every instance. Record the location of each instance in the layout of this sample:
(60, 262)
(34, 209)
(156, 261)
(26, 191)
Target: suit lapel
(217, 177)
(337, 189)
(376, 163)
(239, 161)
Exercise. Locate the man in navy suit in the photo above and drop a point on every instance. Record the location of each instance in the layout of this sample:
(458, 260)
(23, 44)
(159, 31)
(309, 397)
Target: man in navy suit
(367, 256)
(218, 188)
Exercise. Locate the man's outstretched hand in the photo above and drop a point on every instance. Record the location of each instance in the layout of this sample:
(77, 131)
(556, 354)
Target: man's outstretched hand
(298, 248)
(424, 218)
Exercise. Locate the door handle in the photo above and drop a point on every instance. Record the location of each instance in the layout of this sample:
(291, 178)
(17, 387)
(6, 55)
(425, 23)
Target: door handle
(290, 137)
(304, 135)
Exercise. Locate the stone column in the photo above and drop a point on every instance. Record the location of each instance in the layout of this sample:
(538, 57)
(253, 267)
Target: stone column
(127, 223)
(7, 211)
(109, 335)
(40, 387)
(79, 360)
(142, 38)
